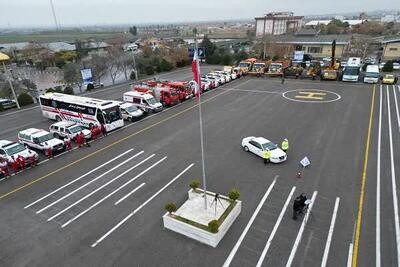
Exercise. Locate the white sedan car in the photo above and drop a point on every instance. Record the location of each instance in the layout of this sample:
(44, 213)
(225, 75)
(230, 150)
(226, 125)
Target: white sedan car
(258, 145)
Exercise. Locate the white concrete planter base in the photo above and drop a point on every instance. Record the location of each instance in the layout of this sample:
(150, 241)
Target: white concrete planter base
(193, 209)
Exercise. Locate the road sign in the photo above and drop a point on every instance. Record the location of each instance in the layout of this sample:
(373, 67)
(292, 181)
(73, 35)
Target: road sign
(298, 55)
(86, 75)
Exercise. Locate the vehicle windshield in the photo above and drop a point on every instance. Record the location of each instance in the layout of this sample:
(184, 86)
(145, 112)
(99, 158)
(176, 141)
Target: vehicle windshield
(15, 149)
(270, 146)
(112, 114)
(45, 138)
(354, 71)
(151, 101)
(275, 66)
(372, 74)
(258, 65)
(131, 109)
(243, 64)
(389, 77)
(76, 129)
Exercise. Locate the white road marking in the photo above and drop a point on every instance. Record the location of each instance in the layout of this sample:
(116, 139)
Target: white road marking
(394, 187)
(130, 193)
(397, 107)
(330, 233)
(88, 183)
(378, 187)
(278, 222)
(77, 179)
(140, 207)
(300, 234)
(246, 229)
(249, 90)
(350, 255)
(99, 188)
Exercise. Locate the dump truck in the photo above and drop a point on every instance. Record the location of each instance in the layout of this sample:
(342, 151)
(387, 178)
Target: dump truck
(294, 71)
(246, 65)
(276, 68)
(259, 68)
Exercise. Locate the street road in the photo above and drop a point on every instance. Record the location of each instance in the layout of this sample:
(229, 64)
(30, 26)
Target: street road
(102, 206)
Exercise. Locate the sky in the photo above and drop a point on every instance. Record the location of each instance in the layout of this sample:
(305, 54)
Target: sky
(30, 13)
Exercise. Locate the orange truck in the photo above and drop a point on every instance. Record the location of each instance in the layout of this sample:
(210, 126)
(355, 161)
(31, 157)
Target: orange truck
(246, 65)
(183, 89)
(277, 67)
(259, 68)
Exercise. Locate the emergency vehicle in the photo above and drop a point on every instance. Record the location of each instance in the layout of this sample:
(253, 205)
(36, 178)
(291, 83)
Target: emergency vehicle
(167, 96)
(68, 129)
(11, 150)
(130, 112)
(146, 102)
(40, 139)
(82, 110)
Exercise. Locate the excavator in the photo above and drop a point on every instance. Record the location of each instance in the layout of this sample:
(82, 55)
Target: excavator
(331, 71)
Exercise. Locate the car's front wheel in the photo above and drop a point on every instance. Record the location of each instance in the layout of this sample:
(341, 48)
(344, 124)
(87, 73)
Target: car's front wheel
(246, 148)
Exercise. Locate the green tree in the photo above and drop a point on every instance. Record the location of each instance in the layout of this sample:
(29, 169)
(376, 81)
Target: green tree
(240, 55)
(72, 74)
(29, 84)
(208, 46)
(388, 67)
(194, 184)
(234, 194)
(133, 30)
(170, 207)
(226, 59)
(25, 99)
(69, 90)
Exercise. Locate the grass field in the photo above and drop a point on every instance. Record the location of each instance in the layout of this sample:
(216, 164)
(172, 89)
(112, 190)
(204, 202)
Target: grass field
(54, 36)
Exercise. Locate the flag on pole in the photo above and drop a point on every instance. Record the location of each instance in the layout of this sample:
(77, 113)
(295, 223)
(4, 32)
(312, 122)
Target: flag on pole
(196, 74)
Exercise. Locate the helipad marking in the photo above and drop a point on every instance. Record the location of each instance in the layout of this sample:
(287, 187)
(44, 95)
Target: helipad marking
(311, 96)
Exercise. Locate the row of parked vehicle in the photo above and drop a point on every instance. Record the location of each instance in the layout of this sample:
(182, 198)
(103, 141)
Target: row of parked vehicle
(78, 116)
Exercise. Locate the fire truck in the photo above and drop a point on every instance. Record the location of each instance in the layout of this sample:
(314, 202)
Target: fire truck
(183, 89)
(167, 96)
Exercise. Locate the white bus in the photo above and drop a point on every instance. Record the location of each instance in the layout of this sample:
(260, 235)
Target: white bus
(372, 74)
(351, 72)
(82, 110)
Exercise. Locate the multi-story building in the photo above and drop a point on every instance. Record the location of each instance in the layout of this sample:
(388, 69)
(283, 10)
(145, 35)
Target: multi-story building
(277, 23)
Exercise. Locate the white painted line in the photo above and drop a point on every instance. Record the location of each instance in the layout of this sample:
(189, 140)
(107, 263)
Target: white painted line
(251, 91)
(397, 107)
(130, 193)
(378, 187)
(140, 207)
(77, 179)
(330, 233)
(246, 229)
(350, 255)
(278, 222)
(99, 188)
(88, 183)
(394, 187)
(300, 234)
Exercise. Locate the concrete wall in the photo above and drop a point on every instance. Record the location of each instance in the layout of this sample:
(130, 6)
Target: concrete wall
(326, 50)
(391, 51)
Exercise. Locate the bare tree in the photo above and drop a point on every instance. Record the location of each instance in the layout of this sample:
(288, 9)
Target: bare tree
(114, 67)
(72, 74)
(99, 66)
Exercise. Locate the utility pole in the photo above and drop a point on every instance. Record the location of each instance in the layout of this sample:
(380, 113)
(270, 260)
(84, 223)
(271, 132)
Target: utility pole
(134, 65)
(11, 86)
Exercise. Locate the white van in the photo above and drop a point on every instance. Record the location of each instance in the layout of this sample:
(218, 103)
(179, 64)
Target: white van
(130, 112)
(40, 139)
(146, 102)
(372, 74)
(71, 129)
(10, 151)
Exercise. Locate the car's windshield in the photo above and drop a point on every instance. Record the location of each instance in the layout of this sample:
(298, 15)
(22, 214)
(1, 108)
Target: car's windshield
(131, 109)
(76, 129)
(352, 71)
(45, 138)
(243, 64)
(15, 149)
(372, 74)
(258, 65)
(275, 66)
(112, 114)
(389, 77)
(151, 101)
(270, 146)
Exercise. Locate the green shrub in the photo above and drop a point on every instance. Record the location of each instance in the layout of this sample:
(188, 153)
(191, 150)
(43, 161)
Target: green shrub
(149, 70)
(165, 65)
(234, 194)
(194, 184)
(170, 207)
(69, 90)
(274, 58)
(90, 86)
(1, 108)
(388, 67)
(213, 226)
(25, 99)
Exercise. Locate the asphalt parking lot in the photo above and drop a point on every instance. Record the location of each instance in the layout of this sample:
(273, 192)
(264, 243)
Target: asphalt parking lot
(102, 206)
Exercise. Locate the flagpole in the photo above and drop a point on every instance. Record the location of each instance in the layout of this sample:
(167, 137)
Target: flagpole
(201, 134)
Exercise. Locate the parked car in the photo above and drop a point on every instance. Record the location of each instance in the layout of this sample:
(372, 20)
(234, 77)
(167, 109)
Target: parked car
(11, 150)
(389, 79)
(93, 85)
(258, 145)
(71, 129)
(396, 66)
(213, 80)
(220, 80)
(130, 112)
(227, 77)
(40, 139)
(7, 103)
(208, 84)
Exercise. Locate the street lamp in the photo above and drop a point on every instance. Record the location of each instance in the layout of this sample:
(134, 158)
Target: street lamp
(3, 58)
